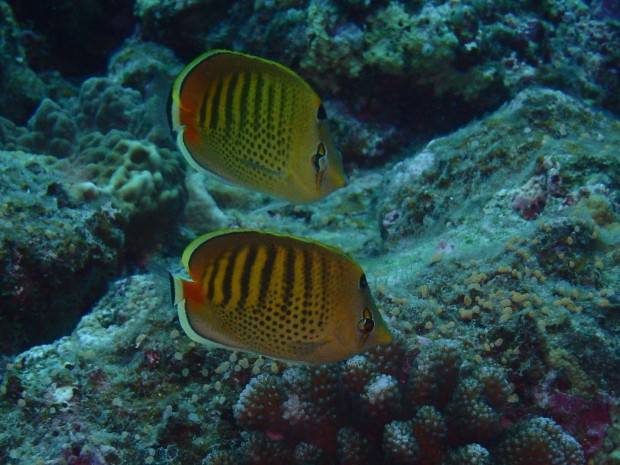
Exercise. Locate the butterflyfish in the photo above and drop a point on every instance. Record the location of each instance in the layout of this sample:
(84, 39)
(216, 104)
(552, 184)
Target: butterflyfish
(276, 295)
(255, 123)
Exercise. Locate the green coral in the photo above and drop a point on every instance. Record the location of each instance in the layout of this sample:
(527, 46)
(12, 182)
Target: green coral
(146, 181)
(399, 42)
(51, 131)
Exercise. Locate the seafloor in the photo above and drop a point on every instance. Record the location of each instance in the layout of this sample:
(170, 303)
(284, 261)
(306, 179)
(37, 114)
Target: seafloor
(482, 143)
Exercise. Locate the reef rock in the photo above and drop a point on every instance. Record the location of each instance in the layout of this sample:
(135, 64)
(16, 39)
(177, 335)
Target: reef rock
(57, 256)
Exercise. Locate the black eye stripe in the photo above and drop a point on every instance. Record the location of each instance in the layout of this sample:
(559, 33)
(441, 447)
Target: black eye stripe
(366, 324)
(315, 163)
(320, 154)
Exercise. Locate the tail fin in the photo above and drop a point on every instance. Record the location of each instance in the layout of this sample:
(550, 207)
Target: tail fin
(157, 105)
(166, 283)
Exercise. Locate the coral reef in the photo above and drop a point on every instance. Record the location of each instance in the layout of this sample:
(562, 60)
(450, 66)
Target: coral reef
(534, 131)
(539, 441)
(399, 443)
(383, 59)
(93, 31)
(503, 360)
(505, 310)
(464, 57)
(469, 455)
(468, 425)
(104, 105)
(144, 180)
(492, 251)
(56, 256)
(22, 89)
(50, 131)
(110, 148)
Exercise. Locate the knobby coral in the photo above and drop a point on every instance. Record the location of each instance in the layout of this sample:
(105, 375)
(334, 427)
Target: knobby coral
(427, 405)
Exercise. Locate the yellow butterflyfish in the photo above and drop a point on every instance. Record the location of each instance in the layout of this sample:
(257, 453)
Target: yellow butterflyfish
(255, 123)
(277, 295)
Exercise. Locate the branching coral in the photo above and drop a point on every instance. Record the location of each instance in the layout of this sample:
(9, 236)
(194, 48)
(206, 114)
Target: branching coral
(539, 441)
(475, 411)
(434, 374)
(471, 454)
(443, 411)
(260, 405)
(399, 443)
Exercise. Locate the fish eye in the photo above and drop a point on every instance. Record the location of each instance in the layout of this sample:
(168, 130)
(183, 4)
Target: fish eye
(321, 114)
(363, 284)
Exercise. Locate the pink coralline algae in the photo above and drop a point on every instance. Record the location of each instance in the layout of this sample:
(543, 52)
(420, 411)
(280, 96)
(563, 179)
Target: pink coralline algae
(531, 201)
(586, 419)
(532, 197)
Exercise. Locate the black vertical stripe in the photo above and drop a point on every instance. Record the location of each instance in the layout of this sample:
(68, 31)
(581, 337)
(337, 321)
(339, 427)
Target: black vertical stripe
(271, 101)
(324, 277)
(171, 282)
(227, 284)
(282, 110)
(246, 274)
(265, 274)
(282, 122)
(211, 283)
(169, 108)
(215, 103)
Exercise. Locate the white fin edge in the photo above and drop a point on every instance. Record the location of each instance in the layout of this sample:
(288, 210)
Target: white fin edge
(180, 302)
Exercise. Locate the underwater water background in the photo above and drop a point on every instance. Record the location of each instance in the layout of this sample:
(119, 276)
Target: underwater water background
(481, 142)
